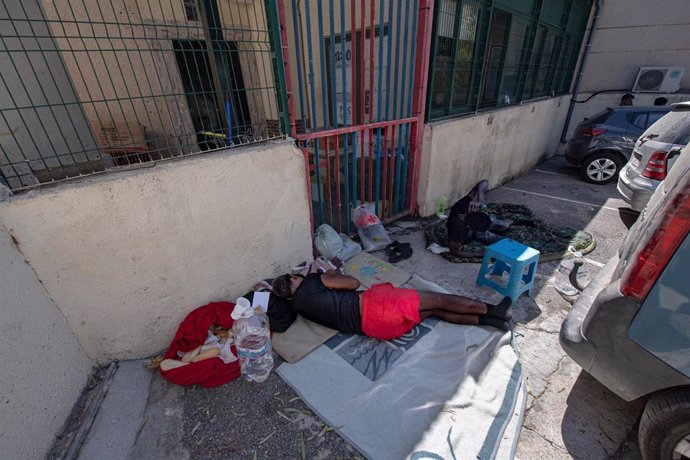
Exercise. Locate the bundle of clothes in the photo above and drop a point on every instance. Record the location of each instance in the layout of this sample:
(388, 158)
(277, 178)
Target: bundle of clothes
(206, 333)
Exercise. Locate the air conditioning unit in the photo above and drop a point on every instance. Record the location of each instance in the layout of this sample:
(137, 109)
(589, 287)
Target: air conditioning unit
(658, 79)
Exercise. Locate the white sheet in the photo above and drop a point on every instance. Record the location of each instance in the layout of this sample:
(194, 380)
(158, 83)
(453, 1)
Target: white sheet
(442, 391)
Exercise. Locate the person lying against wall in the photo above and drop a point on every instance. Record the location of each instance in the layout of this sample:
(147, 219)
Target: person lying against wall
(383, 312)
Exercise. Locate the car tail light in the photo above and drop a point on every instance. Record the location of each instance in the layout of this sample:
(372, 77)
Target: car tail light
(593, 132)
(646, 263)
(656, 166)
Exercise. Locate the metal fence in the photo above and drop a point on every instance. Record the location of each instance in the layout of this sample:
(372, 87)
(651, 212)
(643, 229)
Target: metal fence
(92, 85)
(494, 53)
(352, 70)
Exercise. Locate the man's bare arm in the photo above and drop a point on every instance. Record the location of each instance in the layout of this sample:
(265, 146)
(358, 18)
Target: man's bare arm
(334, 280)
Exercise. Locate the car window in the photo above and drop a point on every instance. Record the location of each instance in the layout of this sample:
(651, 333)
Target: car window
(600, 116)
(669, 127)
(638, 119)
(653, 118)
(661, 324)
(684, 138)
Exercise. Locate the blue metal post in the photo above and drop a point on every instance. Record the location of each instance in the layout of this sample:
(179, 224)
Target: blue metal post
(333, 89)
(415, 18)
(396, 72)
(379, 90)
(398, 152)
(346, 156)
(314, 118)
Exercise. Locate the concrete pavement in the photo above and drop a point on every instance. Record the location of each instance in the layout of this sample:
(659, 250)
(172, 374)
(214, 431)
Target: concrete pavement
(569, 414)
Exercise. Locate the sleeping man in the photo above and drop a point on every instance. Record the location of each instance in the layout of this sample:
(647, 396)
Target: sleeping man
(382, 311)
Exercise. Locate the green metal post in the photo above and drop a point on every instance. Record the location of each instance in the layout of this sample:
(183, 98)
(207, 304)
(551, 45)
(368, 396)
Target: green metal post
(527, 56)
(279, 64)
(220, 99)
(456, 36)
(432, 67)
(561, 53)
(481, 63)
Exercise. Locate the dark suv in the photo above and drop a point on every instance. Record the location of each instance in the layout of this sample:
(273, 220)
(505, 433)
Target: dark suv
(603, 143)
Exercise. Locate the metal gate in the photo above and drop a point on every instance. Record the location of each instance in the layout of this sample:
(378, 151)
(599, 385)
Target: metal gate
(355, 73)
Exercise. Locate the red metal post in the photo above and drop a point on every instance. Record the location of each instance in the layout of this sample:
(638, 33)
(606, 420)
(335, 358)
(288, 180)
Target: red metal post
(362, 86)
(337, 182)
(352, 129)
(372, 14)
(328, 179)
(384, 169)
(291, 110)
(288, 82)
(421, 76)
(391, 167)
(353, 44)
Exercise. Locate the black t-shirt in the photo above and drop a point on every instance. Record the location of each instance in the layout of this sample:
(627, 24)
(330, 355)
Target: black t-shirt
(457, 231)
(334, 308)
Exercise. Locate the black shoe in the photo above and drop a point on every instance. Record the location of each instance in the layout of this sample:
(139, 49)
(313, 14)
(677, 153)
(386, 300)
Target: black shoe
(494, 322)
(402, 252)
(396, 245)
(502, 310)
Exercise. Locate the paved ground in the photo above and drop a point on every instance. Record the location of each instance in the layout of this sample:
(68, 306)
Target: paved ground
(569, 414)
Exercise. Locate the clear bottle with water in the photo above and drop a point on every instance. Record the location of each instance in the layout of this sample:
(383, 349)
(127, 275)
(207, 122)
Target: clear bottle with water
(252, 338)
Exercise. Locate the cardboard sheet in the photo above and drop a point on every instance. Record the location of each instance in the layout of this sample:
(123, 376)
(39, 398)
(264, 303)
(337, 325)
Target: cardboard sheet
(370, 270)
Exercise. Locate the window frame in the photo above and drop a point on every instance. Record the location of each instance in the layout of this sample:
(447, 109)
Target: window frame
(539, 73)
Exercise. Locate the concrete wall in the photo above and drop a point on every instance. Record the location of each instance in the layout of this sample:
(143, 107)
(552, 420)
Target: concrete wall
(126, 256)
(44, 366)
(630, 34)
(512, 141)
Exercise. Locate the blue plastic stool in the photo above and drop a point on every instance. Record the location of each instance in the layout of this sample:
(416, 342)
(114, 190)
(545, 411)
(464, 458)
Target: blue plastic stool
(509, 256)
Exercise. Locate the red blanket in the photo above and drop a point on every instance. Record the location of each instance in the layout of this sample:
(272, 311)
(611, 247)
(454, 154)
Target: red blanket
(193, 332)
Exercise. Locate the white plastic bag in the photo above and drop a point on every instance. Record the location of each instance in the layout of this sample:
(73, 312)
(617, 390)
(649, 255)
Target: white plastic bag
(350, 248)
(327, 241)
(371, 231)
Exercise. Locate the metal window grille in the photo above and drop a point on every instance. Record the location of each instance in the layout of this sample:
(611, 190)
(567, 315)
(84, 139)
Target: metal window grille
(357, 108)
(493, 53)
(87, 86)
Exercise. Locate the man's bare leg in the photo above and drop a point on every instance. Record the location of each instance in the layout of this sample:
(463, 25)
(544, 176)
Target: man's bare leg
(445, 315)
(463, 310)
(451, 303)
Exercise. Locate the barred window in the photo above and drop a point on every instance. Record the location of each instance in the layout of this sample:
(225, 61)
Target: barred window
(493, 53)
(190, 10)
(455, 55)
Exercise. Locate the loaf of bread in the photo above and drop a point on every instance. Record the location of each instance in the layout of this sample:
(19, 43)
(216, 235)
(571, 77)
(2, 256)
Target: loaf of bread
(168, 364)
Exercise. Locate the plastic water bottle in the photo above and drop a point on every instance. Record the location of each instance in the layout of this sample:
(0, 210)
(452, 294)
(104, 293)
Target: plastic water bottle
(252, 338)
(441, 208)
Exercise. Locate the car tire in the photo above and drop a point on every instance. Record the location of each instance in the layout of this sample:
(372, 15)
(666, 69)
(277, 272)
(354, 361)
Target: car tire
(665, 426)
(601, 168)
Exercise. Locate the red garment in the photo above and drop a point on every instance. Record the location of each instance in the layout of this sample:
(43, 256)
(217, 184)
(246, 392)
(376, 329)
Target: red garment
(193, 331)
(389, 312)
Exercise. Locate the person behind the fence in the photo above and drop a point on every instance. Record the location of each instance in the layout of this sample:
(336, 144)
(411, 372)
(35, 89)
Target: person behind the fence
(382, 311)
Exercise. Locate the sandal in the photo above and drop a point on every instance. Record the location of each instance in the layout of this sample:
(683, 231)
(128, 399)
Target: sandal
(401, 252)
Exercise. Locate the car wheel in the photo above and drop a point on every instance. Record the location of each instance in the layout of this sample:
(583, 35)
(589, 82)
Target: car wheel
(601, 168)
(665, 426)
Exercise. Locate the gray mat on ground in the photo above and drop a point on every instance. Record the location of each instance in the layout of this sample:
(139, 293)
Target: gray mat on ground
(440, 391)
